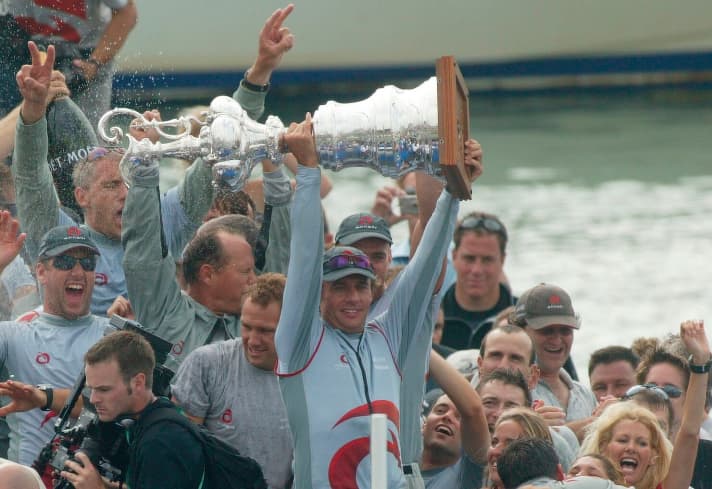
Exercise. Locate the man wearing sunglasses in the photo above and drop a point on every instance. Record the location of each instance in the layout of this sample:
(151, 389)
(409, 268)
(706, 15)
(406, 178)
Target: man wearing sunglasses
(325, 343)
(50, 349)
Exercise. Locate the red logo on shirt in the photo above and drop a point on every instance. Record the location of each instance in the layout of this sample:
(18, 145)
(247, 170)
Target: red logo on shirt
(178, 348)
(344, 359)
(345, 462)
(227, 416)
(101, 279)
(42, 358)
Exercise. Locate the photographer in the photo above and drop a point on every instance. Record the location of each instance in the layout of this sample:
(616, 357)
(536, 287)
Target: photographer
(119, 372)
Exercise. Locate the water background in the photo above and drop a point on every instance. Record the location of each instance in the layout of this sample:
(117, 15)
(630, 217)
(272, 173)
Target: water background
(608, 195)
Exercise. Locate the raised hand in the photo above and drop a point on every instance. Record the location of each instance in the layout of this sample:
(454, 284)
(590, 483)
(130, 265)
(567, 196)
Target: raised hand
(274, 41)
(10, 241)
(299, 140)
(692, 334)
(34, 82)
(473, 159)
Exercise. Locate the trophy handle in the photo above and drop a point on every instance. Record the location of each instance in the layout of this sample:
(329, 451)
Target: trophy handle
(117, 134)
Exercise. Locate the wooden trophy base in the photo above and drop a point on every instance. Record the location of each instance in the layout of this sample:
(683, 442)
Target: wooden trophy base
(453, 126)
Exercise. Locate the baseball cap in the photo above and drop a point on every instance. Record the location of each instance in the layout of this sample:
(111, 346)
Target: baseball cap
(63, 238)
(360, 226)
(545, 305)
(341, 261)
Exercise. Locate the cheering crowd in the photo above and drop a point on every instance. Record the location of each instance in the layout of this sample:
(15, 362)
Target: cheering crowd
(285, 337)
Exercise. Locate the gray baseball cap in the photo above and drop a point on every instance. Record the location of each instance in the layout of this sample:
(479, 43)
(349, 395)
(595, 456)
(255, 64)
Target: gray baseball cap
(64, 238)
(546, 305)
(361, 226)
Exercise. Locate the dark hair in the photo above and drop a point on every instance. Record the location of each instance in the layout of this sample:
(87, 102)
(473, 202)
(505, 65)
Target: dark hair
(525, 459)
(229, 202)
(430, 398)
(507, 376)
(508, 329)
(612, 354)
(205, 247)
(481, 230)
(657, 356)
(130, 350)
(650, 399)
(266, 289)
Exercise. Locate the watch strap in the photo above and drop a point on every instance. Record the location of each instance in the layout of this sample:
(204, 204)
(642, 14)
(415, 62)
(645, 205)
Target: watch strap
(49, 393)
(699, 369)
(251, 86)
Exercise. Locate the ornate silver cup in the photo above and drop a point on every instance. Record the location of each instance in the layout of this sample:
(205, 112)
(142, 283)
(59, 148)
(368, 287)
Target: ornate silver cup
(394, 131)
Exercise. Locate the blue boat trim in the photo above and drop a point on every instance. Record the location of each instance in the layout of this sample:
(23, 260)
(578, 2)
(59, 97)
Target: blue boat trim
(689, 62)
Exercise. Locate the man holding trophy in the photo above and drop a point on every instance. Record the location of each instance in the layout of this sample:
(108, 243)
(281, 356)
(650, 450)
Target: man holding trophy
(337, 351)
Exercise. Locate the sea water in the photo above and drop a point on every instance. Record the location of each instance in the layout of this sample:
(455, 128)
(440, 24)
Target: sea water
(607, 195)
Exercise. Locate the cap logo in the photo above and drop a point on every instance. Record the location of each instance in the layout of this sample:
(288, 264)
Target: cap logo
(74, 231)
(347, 252)
(554, 302)
(365, 221)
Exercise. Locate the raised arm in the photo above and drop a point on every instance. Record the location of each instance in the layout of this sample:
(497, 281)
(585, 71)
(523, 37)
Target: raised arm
(112, 39)
(684, 453)
(427, 190)
(150, 270)
(414, 290)
(474, 432)
(299, 323)
(37, 202)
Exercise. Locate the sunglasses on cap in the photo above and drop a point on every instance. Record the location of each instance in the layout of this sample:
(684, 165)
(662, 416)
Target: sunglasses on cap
(67, 262)
(664, 391)
(483, 222)
(342, 261)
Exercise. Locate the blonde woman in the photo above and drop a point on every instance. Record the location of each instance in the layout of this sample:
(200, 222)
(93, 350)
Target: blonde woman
(631, 437)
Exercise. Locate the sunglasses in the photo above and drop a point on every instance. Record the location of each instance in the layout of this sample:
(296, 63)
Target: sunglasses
(67, 262)
(664, 391)
(342, 261)
(483, 222)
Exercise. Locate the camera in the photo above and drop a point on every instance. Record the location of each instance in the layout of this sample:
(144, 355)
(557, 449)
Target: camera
(408, 204)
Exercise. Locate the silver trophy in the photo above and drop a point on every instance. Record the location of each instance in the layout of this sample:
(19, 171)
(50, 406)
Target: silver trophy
(394, 131)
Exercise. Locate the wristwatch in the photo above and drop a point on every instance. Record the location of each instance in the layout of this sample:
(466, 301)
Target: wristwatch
(49, 392)
(699, 369)
(252, 86)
